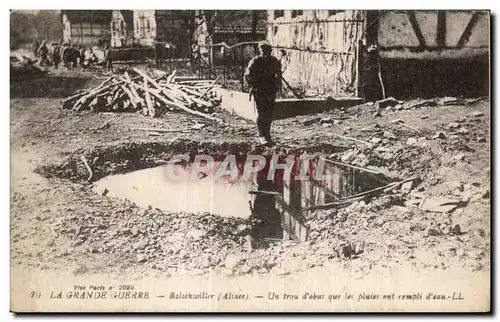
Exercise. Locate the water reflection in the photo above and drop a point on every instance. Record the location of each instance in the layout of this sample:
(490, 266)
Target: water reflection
(282, 206)
(267, 217)
(277, 206)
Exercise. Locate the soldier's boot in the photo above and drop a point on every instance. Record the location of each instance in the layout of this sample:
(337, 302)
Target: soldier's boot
(261, 128)
(268, 134)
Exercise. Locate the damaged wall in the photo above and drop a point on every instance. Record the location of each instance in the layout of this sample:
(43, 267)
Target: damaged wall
(122, 28)
(86, 27)
(229, 28)
(434, 53)
(320, 46)
(156, 28)
(172, 28)
(144, 27)
(433, 30)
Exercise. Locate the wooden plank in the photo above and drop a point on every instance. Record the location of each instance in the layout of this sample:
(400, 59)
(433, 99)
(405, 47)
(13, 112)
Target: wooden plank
(149, 102)
(416, 29)
(133, 90)
(157, 94)
(441, 29)
(209, 88)
(468, 30)
(130, 96)
(149, 79)
(161, 130)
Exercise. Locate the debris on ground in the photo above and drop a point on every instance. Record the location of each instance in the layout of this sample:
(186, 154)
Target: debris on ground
(23, 66)
(138, 91)
(443, 218)
(439, 205)
(390, 101)
(439, 135)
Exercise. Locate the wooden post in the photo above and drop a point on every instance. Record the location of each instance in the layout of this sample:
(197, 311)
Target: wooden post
(172, 62)
(242, 69)
(224, 71)
(359, 67)
(211, 58)
(288, 231)
(468, 30)
(416, 29)
(156, 53)
(441, 28)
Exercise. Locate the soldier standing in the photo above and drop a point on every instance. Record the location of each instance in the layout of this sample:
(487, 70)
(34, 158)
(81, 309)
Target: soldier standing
(69, 56)
(34, 48)
(62, 51)
(43, 52)
(82, 55)
(107, 61)
(56, 55)
(263, 74)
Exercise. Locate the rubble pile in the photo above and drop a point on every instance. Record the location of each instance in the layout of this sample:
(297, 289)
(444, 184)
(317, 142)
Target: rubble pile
(138, 92)
(391, 104)
(21, 66)
(410, 219)
(405, 149)
(428, 222)
(150, 236)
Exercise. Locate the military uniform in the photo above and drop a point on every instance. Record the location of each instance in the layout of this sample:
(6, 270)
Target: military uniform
(56, 55)
(263, 74)
(107, 61)
(34, 48)
(43, 54)
(82, 56)
(65, 55)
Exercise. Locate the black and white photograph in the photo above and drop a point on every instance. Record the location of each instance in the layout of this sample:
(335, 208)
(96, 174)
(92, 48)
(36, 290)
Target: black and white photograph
(250, 160)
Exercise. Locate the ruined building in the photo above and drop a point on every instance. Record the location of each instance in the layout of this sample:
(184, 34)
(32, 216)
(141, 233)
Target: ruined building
(430, 53)
(86, 27)
(163, 29)
(320, 46)
(420, 53)
(122, 28)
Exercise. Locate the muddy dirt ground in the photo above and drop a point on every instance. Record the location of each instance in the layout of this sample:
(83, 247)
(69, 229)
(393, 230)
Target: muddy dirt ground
(59, 224)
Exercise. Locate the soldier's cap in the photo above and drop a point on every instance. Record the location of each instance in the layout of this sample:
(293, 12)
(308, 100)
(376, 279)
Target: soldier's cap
(264, 44)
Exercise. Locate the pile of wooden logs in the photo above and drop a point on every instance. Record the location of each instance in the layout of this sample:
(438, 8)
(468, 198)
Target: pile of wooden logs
(138, 92)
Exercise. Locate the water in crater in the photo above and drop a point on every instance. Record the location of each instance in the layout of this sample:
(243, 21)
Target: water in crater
(280, 205)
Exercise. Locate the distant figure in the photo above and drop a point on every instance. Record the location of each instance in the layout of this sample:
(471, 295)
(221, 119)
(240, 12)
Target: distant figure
(82, 55)
(62, 51)
(107, 62)
(34, 48)
(263, 74)
(70, 56)
(195, 50)
(56, 55)
(92, 58)
(43, 53)
(75, 55)
(67, 57)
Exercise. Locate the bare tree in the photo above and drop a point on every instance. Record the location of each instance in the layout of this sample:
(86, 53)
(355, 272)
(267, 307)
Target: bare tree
(48, 25)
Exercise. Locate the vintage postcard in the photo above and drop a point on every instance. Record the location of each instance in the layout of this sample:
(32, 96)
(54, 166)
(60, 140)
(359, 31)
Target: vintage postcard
(250, 161)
